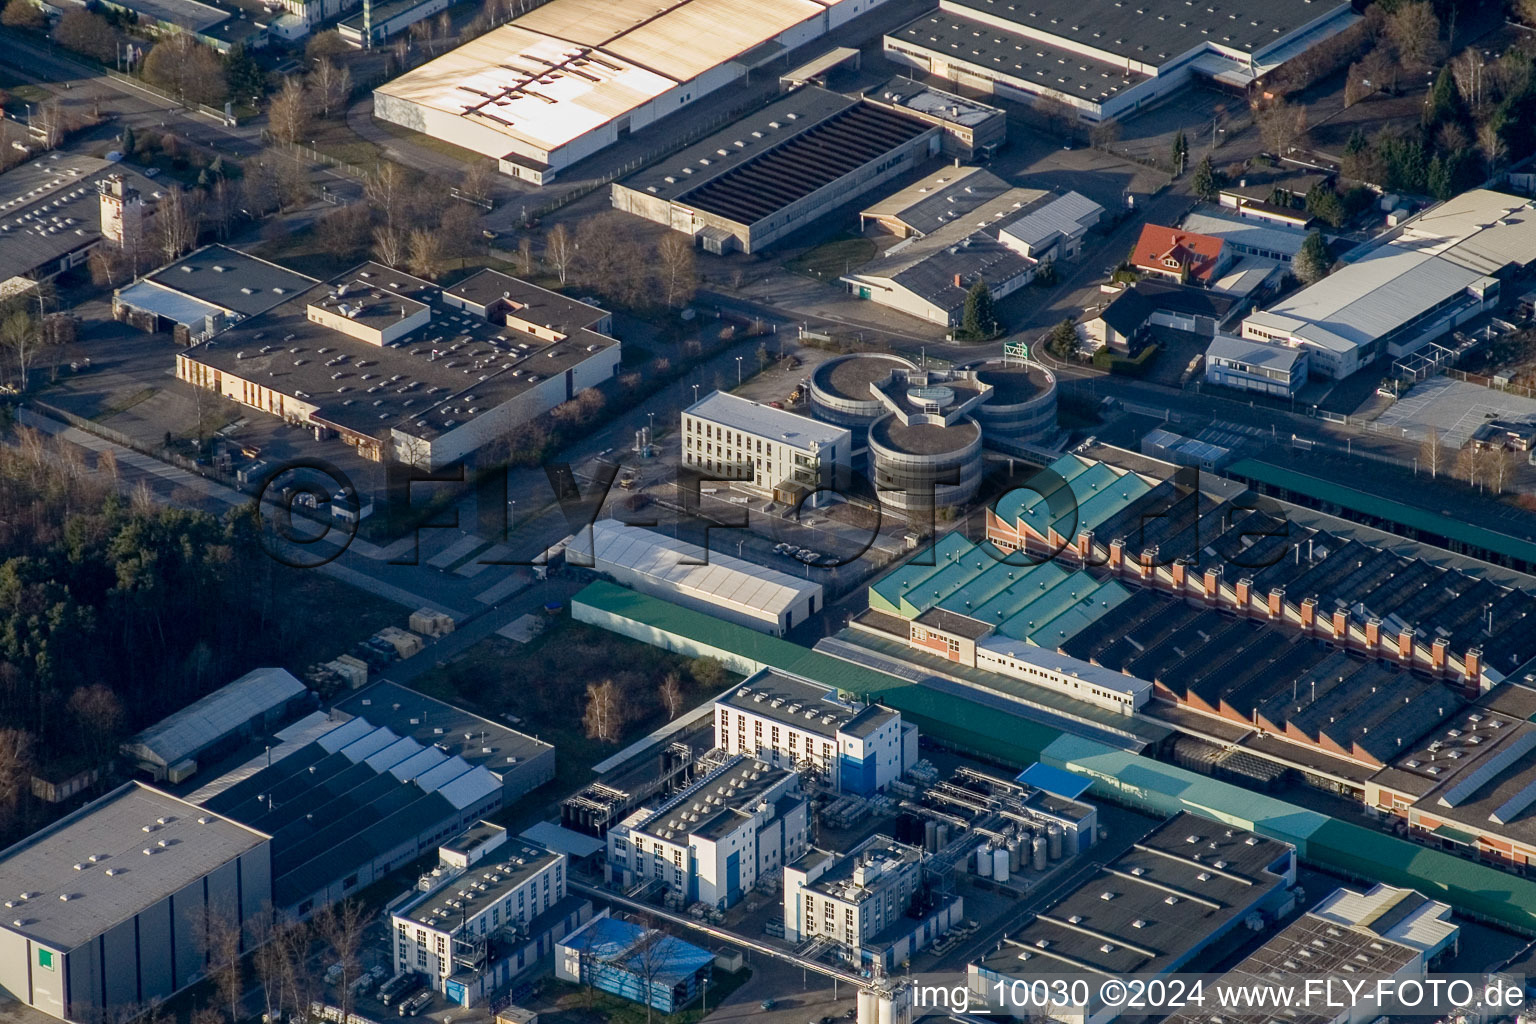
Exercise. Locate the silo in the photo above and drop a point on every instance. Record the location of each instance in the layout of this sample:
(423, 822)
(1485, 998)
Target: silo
(1000, 864)
(943, 836)
(984, 861)
(869, 1006)
(930, 836)
(1053, 838)
(1038, 849)
(887, 1010)
(1015, 848)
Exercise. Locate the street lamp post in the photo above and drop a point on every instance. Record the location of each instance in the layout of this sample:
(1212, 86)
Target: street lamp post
(695, 394)
(738, 371)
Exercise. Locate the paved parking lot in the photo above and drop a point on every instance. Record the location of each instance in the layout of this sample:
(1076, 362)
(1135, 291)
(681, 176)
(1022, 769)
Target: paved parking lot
(1454, 408)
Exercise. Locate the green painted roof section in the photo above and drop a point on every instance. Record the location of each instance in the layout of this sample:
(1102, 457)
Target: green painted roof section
(1013, 504)
(893, 586)
(1034, 617)
(1080, 616)
(1106, 503)
(1029, 583)
(1383, 508)
(999, 577)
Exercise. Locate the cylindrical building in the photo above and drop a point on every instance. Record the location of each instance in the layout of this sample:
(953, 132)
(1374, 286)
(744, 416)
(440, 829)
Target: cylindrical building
(920, 466)
(1022, 406)
(840, 388)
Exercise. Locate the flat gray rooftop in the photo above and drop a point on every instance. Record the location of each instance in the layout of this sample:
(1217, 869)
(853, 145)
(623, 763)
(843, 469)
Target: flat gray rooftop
(923, 438)
(503, 870)
(851, 377)
(231, 279)
(50, 206)
(112, 859)
(434, 378)
(1153, 31)
(533, 304)
(760, 420)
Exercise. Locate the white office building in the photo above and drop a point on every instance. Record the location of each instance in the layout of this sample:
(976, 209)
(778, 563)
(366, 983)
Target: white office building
(493, 906)
(1250, 365)
(739, 822)
(788, 721)
(866, 902)
(790, 457)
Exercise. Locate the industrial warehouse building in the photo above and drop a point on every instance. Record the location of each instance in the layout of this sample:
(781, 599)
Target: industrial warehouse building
(1442, 269)
(1150, 911)
(963, 225)
(56, 208)
(400, 368)
(248, 706)
(778, 169)
(385, 777)
(567, 79)
(733, 589)
(107, 906)
(1383, 933)
(206, 291)
(1106, 61)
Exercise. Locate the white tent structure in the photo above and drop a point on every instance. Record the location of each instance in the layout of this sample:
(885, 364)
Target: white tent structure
(727, 587)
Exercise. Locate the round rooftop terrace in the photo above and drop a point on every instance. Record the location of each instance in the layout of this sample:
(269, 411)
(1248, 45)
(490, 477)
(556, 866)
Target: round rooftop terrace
(849, 377)
(1015, 383)
(924, 439)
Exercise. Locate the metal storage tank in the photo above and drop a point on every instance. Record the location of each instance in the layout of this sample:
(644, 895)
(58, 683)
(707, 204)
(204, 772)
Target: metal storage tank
(943, 836)
(886, 1007)
(869, 1006)
(930, 836)
(1040, 857)
(1053, 838)
(1015, 852)
(984, 861)
(1000, 864)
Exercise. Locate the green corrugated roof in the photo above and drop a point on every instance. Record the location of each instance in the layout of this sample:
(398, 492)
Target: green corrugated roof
(1093, 511)
(1037, 614)
(1030, 581)
(1369, 504)
(1012, 505)
(1080, 616)
(923, 566)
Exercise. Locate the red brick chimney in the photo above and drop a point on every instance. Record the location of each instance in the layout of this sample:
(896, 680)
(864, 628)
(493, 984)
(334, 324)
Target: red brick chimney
(1372, 632)
(1212, 582)
(1474, 663)
(958, 283)
(1116, 553)
(1276, 601)
(1085, 544)
(1244, 587)
(1340, 623)
(1437, 653)
(1180, 570)
(1308, 612)
(1405, 643)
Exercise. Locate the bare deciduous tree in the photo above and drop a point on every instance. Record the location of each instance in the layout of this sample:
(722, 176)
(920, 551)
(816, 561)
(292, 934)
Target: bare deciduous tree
(679, 279)
(1432, 452)
(560, 251)
(671, 694)
(389, 246)
(525, 258)
(99, 715)
(331, 85)
(290, 113)
(223, 940)
(341, 927)
(1281, 124)
(427, 253)
(604, 717)
(176, 222)
(386, 191)
(1415, 31)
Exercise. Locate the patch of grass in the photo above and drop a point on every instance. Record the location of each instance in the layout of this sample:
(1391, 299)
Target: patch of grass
(336, 140)
(830, 260)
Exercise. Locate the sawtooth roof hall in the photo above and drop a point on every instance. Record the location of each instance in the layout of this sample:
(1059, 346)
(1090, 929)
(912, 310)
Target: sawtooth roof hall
(573, 76)
(1107, 58)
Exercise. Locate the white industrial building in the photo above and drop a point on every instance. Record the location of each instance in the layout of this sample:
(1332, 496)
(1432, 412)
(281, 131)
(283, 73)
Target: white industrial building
(491, 909)
(106, 909)
(711, 581)
(1440, 270)
(571, 77)
(792, 722)
(250, 705)
(739, 822)
(864, 902)
(1075, 678)
(1107, 61)
(791, 457)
